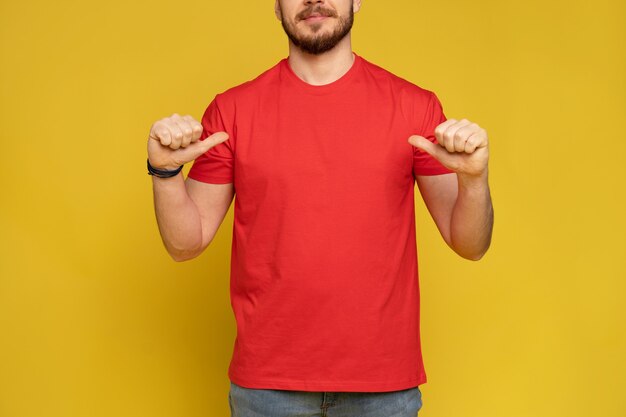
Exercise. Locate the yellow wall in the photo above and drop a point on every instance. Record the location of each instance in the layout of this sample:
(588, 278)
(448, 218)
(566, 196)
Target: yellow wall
(97, 320)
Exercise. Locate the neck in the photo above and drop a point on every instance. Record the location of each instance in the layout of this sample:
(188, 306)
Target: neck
(324, 68)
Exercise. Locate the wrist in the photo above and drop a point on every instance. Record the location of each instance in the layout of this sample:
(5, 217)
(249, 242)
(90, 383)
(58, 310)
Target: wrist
(163, 172)
(473, 181)
(165, 167)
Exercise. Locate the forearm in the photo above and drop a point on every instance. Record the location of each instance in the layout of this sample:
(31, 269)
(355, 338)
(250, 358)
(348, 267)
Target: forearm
(471, 223)
(177, 216)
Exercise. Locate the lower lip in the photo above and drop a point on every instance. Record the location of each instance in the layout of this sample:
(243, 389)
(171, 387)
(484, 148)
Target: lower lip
(315, 19)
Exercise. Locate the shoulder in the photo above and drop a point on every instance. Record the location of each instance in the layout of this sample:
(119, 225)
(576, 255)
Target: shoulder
(399, 85)
(248, 90)
(413, 100)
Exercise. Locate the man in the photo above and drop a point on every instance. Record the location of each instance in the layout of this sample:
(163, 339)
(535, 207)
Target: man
(323, 151)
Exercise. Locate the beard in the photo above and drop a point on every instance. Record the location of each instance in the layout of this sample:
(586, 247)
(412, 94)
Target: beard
(320, 43)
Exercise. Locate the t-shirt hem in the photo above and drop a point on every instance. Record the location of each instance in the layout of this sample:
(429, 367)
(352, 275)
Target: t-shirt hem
(209, 179)
(327, 386)
(433, 171)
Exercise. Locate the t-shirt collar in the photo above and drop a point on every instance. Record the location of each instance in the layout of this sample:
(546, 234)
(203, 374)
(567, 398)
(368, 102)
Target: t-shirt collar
(289, 75)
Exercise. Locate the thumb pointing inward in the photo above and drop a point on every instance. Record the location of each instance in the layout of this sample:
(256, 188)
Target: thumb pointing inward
(423, 144)
(214, 140)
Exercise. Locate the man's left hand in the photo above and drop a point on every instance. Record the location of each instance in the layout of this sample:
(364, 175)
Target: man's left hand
(462, 146)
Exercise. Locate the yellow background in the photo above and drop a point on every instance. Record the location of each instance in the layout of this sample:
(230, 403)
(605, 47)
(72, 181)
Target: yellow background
(97, 320)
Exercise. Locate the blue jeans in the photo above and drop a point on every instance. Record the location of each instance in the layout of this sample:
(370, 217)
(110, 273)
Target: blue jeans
(248, 402)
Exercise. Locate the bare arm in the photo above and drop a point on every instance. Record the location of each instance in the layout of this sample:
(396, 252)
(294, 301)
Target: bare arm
(459, 202)
(189, 213)
(462, 211)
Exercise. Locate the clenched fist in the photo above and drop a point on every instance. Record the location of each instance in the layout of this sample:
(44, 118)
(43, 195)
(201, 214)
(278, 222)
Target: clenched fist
(462, 146)
(173, 141)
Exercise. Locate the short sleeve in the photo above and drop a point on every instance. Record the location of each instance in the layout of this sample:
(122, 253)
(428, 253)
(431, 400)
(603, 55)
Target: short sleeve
(216, 166)
(423, 163)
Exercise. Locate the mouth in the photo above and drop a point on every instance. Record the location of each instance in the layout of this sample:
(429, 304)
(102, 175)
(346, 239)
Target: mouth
(315, 18)
(317, 15)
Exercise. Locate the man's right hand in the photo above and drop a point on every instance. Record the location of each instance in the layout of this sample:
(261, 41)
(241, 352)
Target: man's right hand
(173, 141)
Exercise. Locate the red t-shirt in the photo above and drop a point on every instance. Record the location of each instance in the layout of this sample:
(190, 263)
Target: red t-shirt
(324, 280)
